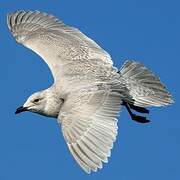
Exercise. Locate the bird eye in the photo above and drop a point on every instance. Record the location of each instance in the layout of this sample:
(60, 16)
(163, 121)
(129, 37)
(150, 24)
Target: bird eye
(36, 100)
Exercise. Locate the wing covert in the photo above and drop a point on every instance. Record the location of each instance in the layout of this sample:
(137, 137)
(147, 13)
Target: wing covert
(58, 44)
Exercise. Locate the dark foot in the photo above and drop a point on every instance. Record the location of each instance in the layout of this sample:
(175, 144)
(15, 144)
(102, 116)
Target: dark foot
(140, 119)
(139, 109)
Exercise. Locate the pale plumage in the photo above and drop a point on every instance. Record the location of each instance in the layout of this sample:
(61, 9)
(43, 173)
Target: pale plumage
(88, 91)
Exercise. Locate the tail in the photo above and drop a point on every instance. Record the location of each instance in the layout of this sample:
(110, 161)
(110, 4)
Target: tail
(144, 87)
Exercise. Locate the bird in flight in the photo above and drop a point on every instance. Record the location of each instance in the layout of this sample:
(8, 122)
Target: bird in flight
(88, 91)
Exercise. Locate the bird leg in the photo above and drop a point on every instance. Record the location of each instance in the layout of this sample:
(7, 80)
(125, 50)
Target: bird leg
(140, 119)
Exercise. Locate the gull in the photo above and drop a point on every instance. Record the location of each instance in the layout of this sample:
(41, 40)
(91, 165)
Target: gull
(88, 91)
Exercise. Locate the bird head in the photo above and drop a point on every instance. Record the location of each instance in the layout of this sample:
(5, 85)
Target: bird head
(35, 103)
(45, 103)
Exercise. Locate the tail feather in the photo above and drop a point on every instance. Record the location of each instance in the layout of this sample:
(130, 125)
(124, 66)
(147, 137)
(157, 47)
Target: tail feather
(145, 88)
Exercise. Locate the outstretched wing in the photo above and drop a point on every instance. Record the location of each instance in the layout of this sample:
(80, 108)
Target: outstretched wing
(57, 43)
(89, 125)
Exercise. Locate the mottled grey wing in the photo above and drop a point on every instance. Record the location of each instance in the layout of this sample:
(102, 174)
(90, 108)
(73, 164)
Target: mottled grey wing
(89, 125)
(57, 43)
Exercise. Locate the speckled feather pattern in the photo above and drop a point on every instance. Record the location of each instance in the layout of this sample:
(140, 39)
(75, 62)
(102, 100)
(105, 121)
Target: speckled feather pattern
(88, 91)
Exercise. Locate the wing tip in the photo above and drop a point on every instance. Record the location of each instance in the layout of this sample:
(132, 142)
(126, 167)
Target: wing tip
(10, 17)
(42, 19)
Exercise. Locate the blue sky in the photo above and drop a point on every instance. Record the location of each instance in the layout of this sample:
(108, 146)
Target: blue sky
(32, 146)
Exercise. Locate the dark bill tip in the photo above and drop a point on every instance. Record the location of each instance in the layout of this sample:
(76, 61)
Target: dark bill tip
(20, 109)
